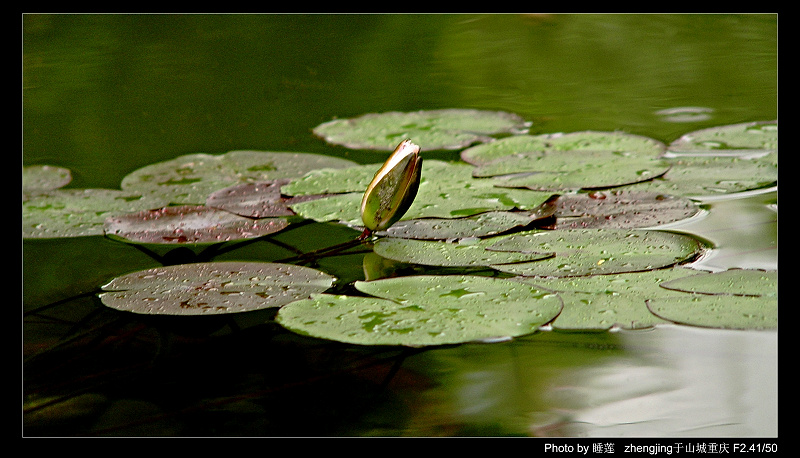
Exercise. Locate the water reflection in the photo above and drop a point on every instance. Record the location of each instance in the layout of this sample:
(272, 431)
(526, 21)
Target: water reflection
(744, 232)
(673, 381)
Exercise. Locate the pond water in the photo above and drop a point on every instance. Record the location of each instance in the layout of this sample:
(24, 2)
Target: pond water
(104, 95)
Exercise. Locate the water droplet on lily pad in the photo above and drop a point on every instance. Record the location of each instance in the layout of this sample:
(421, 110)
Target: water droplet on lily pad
(444, 129)
(578, 251)
(189, 225)
(38, 178)
(423, 311)
(213, 288)
(191, 178)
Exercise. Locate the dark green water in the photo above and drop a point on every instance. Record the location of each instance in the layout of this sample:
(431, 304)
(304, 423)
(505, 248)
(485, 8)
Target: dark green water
(106, 94)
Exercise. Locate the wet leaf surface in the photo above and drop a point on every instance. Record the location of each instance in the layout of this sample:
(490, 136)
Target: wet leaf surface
(480, 225)
(736, 282)
(38, 178)
(718, 311)
(189, 225)
(582, 171)
(62, 213)
(740, 139)
(581, 252)
(253, 200)
(545, 145)
(602, 302)
(213, 288)
(191, 178)
(465, 253)
(446, 190)
(423, 311)
(445, 129)
(699, 176)
(615, 209)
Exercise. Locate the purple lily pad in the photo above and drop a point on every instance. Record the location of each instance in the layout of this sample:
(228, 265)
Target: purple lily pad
(189, 225)
(253, 200)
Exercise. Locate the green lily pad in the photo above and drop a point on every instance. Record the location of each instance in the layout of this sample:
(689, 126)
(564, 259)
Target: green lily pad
(465, 253)
(190, 179)
(332, 181)
(621, 210)
(718, 311)
(445, 129)
(743, 138)
(737, 282)
(579, 170)
(480, 225)
(424, 311)
(213, 288)
(76, 212)
(717, 175)
(596, 251)
(38, 178)
(602, 302)
(580, 160)
(544, 145)
(446, 190)
(189, 225)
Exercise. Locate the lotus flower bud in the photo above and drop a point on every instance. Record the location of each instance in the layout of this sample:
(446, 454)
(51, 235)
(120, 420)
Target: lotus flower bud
(393, 188)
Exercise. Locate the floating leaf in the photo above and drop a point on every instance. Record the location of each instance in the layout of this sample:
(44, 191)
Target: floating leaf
(38, 178)
(446, 190)
(596, 251)
(601, 302)
(708, 176)
(718, 311)
(191, 178)
(465, 253)
(189, 224)
(581, 170)
(540, 145)
(253, 200)
(393, 188)
(76, 212)
(445, 129)
(737, 282)
(621, 210)
(213, 288)
(580, 160)
(744, 138)
(480, 225)
(424, 310)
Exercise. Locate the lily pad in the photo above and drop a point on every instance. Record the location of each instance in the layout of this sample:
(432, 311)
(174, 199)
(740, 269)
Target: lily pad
(189, 225)
(596, 251)
(38, 178)
(465, 253)
(716, 175)
(543, 145)
(602, 302)
(575, 170)
(621, 210)
(743, 138)
(736, 282)
(446, 190)
(190, 179)
(480, 225)
(76, 212)
(213, 288)
(253, 200)
(718, 311)
(424, 311)
(446, 129)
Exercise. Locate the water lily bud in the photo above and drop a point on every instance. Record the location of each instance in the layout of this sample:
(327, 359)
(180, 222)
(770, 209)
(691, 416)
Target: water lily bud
(393, 188)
